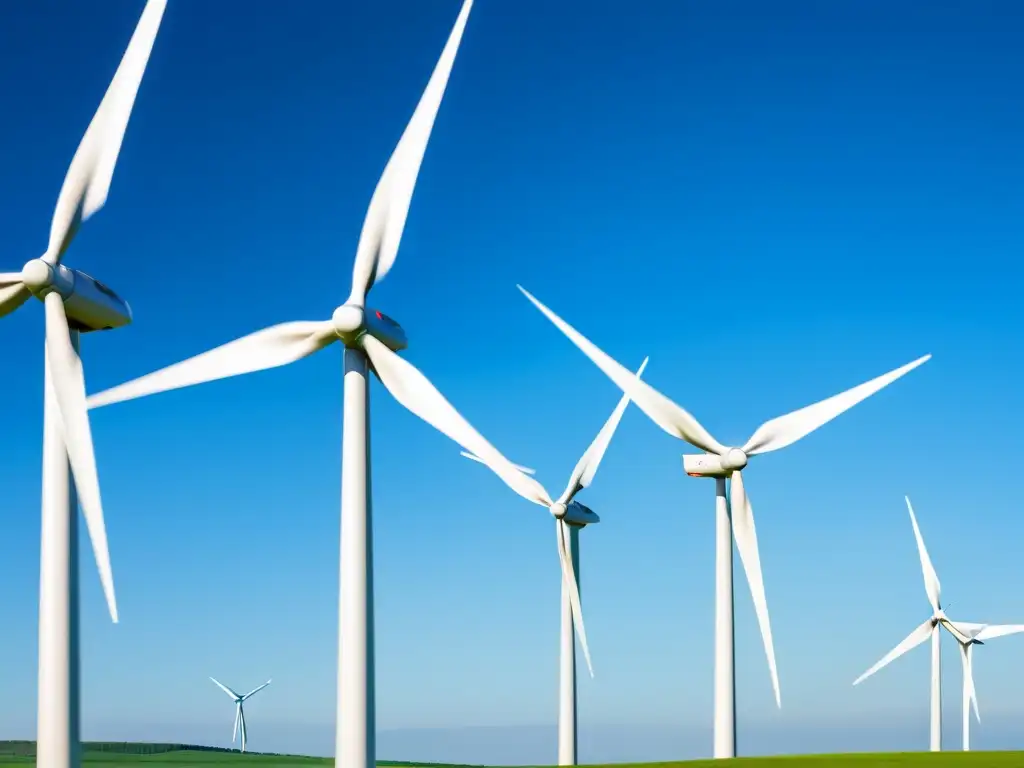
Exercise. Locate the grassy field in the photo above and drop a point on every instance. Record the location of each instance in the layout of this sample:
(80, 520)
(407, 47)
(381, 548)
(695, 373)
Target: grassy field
(162, 755)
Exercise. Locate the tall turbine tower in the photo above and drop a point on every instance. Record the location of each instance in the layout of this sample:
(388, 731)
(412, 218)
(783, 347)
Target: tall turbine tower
(74, 303)
(734, 512)
(570, 518)
(239, 699)
(370, 339)
(967, 635)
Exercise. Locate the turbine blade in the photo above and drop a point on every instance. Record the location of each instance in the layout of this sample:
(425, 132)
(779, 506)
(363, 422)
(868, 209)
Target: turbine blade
(955, 631)
(234, 731)
(524, 470)
(226, 690)
(785, 430)
(88, 178)
(998, 630)
(13, 292)
(968, 671)
(911, 641)
(569, 576)
(389, 206)
(586, 467)
(269, 348)
(931, 578)
(968, 630)
(414, 392)
(662, 411)
(255, 690)
(746, 542)
(64, 371)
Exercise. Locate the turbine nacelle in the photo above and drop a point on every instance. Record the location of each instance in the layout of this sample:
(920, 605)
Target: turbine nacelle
(713, 465)
(90, 305)
(351, 321)
(574, 513)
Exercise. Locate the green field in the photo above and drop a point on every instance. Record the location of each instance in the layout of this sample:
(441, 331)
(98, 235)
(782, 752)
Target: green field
(130, 755)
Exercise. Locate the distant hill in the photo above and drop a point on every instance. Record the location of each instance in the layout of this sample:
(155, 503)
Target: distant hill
(28, 748)
(106, 754)
(95, 751)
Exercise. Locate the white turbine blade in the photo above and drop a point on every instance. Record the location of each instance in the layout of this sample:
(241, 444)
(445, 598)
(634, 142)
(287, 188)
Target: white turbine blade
(955, 630)
(68, 382)
(746, 542)
(234, 730)
(931, 578)
(226, 690)
(389, 206)
(241, 722)
(914, 639)
(88, 178)
(13, 292)
(662, 411)
(269, 348)
(569, 576)
(998, 630)
(966, 629)
(785, 430)
(965, 661)
(256, 690)
(525, 470)
(586, 467)
(413, 391)
(964, 632)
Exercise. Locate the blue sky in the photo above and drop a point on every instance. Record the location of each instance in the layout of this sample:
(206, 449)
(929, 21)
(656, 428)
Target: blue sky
(774, 205)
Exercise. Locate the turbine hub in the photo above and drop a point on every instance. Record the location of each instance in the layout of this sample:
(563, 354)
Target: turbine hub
(558, 510)
(348, 320)
(734, 460)
(37, 276)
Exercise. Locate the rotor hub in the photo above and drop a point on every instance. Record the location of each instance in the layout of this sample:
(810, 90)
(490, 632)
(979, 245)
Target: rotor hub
(734, 460)
(348, 320)
(558, 511)
(37, 276)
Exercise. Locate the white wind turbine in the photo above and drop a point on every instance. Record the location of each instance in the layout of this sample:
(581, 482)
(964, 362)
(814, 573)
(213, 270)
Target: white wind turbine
(570, 517)
(239, 699)
(370, 338)
(977, 634)
(734, 517)
(74, 303)
(967, 635)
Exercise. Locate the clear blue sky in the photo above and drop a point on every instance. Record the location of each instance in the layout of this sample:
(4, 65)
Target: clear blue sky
(774, 205)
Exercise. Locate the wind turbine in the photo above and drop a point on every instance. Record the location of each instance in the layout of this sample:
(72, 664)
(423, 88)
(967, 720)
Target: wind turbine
(723, 462)
(967, 635)
(74, 303)
(571, 517)
(370, 338)
(978, 634)
(239, 699)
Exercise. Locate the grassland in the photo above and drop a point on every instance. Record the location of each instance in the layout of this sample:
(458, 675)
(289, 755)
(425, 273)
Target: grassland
(179, 756)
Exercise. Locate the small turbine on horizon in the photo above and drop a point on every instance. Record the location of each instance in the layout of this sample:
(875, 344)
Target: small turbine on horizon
(978, 634)
(929, 629)
(239, 699)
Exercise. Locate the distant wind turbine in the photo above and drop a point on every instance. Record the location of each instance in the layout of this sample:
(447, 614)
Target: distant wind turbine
(570, 517)
(239, 699)
(978, 634)
(930, 629)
